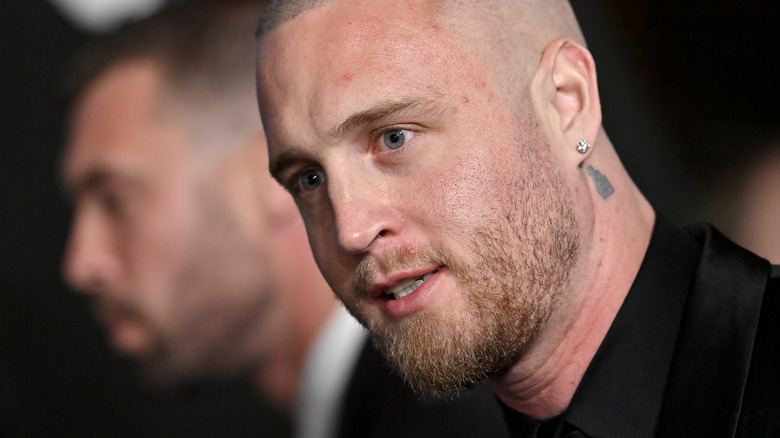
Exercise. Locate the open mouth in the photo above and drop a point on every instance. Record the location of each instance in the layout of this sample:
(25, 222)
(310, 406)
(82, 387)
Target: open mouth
(407, 286)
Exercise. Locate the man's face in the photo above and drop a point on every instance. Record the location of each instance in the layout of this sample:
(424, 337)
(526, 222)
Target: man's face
(436, 213)
(155, 241)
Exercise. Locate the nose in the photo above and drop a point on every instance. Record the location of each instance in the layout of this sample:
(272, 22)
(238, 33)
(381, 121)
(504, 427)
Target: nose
(364, 215)
(89, 263)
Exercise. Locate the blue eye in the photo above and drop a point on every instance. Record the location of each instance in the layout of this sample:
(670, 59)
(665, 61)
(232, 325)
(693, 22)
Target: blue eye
(394, 139)
(310, 179)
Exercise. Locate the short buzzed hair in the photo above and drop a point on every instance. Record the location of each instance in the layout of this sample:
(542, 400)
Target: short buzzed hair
(279, 12)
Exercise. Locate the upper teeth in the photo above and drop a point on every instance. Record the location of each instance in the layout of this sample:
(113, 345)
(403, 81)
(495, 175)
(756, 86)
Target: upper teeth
(407, 286)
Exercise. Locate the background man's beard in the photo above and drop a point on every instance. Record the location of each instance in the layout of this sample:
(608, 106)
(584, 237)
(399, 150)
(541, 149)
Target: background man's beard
(160, 372)
(169, 368)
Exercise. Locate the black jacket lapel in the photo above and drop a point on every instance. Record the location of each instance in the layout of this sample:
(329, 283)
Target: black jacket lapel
(712, 356)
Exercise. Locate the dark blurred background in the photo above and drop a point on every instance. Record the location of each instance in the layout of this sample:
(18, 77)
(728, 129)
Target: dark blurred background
(690, 97)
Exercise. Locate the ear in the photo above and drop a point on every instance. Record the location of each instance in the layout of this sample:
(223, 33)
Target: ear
(565, 95)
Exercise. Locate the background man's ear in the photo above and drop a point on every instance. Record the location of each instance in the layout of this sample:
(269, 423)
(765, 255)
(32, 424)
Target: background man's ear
(565, 94)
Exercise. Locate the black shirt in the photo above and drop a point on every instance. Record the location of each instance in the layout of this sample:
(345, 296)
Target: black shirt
(622, 390)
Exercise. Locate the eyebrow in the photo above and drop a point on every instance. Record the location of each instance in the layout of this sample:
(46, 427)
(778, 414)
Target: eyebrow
(100, 177)
(285, 160)
(93, 179)
(383, 111)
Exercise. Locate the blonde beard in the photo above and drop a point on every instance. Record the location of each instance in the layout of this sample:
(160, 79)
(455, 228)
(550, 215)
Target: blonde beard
(511, 292)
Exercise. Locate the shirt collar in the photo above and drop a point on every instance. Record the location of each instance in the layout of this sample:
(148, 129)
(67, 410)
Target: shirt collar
(329, 365)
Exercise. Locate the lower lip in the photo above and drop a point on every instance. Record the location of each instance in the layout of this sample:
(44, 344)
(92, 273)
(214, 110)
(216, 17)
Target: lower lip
(126, 335)
(413, 302)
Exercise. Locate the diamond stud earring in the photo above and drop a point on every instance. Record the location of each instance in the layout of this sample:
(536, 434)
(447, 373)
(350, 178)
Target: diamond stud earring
(583, 146)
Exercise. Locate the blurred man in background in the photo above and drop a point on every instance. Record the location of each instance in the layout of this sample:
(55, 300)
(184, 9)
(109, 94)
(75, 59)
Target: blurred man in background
(196, 260)
(758, 211)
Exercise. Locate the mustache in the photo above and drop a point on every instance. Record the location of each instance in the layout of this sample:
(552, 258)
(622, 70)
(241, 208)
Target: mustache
(108, 308)
(401, 258)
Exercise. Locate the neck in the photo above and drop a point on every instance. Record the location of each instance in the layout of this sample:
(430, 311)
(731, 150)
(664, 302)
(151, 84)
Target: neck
(542, 384)
(277, 375)
(278, 382)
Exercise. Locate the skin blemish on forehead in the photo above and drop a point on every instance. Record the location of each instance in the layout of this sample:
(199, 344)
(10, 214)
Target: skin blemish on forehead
(481, 85)
(347, 77)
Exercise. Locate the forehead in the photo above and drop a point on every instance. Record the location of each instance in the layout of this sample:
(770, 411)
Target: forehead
(338, 59)
(117, 122)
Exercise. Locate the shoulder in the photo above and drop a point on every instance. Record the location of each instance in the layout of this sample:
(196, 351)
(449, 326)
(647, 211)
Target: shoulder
(728, 315)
